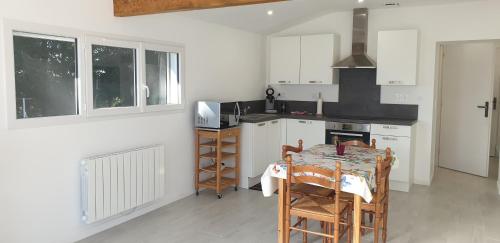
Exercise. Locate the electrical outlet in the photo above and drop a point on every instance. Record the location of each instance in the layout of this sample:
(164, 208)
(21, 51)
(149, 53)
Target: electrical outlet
(401, 98)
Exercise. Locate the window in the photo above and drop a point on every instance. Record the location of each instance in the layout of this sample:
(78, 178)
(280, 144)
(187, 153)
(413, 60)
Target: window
(112, 85)
(46, 71)
(163, 82)
(58, 76)
(113, 76)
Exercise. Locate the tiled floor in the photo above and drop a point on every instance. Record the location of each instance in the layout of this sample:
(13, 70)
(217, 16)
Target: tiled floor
(456, 208)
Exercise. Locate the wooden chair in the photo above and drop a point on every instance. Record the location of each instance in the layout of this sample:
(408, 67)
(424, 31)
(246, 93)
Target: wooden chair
(379, 206)
(330, 210)
(359, 143)
(300, 190)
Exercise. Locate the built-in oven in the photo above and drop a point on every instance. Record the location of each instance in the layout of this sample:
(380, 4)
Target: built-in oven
(346, 132)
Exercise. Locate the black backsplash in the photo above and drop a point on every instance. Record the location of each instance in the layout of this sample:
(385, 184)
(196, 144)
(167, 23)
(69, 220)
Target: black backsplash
(255, 106)
(359, 97)
(359, 86)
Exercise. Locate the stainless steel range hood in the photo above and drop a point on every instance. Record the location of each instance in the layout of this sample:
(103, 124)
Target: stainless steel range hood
(359, 58)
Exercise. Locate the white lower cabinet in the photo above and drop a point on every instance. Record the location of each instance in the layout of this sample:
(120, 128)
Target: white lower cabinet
(260, 146)
(311, 132)
(400, 140)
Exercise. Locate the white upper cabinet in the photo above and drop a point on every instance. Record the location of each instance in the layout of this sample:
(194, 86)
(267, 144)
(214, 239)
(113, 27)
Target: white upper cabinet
(318, 54)
(397, 56)
(304, 59)
(285, 60)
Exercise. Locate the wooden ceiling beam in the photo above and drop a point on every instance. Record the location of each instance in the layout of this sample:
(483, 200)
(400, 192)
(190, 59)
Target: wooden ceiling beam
(124, 8)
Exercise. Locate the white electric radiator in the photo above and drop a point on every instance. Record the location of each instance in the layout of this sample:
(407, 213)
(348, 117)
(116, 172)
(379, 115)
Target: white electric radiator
(114, 183)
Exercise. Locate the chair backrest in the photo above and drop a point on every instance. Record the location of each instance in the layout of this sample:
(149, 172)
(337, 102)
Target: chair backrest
(359, 143)
(288, 148)
(382, 175)
(309, 174)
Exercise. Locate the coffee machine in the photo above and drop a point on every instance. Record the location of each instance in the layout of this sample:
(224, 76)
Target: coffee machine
(270, 101)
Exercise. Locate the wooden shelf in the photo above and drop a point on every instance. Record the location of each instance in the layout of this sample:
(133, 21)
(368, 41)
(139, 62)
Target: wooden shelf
(217, 170)
(213, 169)
(214, 144)
(213, 155)
(212, 183)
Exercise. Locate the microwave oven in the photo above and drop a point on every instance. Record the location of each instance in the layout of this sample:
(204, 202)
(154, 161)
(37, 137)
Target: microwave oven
(216, 114)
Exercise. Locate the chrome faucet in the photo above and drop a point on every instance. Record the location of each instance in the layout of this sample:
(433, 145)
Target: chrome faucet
(245, 110)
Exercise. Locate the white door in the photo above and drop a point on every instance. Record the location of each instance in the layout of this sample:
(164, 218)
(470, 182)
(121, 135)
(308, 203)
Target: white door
(401, 146)
(311, 132)
(260, 158)
(274, 141)
(468, 70)
(397, 57)
(285, 60)
(317, 58)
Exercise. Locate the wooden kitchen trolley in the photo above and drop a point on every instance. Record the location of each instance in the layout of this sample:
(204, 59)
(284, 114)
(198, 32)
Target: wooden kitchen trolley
(215, 148)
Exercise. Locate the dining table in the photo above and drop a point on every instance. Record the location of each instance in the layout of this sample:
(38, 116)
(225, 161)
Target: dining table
(358, 177)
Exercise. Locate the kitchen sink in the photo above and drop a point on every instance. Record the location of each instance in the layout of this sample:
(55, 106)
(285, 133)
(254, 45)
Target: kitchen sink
(259, 116)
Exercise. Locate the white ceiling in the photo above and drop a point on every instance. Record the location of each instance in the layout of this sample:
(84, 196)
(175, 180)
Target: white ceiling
(254, 18)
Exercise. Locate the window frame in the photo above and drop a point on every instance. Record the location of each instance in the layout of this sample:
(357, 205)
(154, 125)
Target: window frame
(12, 27)
(84, 95)
(148, 46)
(112, 42)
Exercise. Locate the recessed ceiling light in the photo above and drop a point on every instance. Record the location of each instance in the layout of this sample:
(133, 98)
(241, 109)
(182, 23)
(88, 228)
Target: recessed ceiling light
(361, 1)
(270, 12)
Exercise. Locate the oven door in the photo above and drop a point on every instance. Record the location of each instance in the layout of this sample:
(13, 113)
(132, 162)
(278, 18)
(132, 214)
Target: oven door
(344, 136)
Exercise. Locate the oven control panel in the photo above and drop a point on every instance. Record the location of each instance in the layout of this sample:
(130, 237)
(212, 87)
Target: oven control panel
(351, 127)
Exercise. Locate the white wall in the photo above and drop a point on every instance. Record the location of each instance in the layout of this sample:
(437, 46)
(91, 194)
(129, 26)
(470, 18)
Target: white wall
(497, 82)
(464, 21)
(39, 173)
(494, 113)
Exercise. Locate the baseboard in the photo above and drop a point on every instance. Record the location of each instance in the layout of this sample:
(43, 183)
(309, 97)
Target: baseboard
(100, 226)
(399, 186)
(498, 187)
(422, 182)
(248, 182)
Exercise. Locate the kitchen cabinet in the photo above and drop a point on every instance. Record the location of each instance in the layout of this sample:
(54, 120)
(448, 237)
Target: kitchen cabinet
(401, 140)
(306, 59)
(318, 54)
(397, 55)
(274, 141)
(260, 146)
(285, 60)
(311, 132)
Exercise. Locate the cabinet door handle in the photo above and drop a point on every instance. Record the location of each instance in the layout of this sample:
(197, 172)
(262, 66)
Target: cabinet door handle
(390, 127)
(261, 124)
(282, 82)
(304, 122)
(389, 138)
(274, 122)
(315, 82)
(395, 82)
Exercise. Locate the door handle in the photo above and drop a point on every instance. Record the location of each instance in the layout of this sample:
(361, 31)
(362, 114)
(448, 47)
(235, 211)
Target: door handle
(494, 103)
(486, 108)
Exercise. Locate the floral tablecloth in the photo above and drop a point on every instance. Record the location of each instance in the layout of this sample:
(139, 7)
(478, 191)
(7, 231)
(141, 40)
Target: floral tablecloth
(358, 168)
